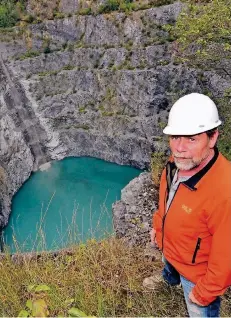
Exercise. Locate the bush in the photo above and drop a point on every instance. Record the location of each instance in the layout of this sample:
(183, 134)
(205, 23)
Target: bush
(158, 162)
(203, 33)
(109, 5)
(128, 6)
(59, 15)
(8, 15)
(85, 11)
(29, 54)
(28, 18)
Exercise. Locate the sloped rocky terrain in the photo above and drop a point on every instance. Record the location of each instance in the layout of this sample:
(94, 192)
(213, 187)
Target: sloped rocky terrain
(89, 85)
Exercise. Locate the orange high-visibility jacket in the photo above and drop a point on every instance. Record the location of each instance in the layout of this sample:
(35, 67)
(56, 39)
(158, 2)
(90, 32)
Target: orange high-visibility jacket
(195, 233)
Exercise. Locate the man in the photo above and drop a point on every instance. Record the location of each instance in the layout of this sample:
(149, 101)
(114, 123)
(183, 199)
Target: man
(192, 226)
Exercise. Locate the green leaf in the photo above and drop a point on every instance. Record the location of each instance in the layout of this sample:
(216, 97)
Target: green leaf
(69, 301)
(75, 312)
(39, 308)
(29, 304)
(23, 313)
(40, 288)
(30, 287)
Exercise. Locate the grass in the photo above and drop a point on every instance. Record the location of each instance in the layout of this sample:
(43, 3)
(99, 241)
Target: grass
(103, 278)
(29, 54)
(128, 6)
(55, 72)
(99, 278)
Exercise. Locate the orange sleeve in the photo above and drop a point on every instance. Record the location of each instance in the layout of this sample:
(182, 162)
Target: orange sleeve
(218, 276)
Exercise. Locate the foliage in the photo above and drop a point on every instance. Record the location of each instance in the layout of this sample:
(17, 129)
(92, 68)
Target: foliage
(29, 54)
(11, 11)
(58, 15)
(36, 305)
(130, 5)
(8, 14)
(224, 141)
(203, 33)
(109, 5)
(158, 161)
(75, 312)
(85, 11)
(97, 278)
(68, 67)
(15, 10)
(158, 3)
(28, 18)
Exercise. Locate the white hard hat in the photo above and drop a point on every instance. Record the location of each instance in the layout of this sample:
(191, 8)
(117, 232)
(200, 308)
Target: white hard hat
(192, 114)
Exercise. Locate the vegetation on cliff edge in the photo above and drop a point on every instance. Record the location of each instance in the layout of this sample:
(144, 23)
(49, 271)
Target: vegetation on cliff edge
(98, 278)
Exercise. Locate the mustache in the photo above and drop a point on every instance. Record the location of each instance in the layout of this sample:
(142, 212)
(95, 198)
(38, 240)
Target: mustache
(179, 156)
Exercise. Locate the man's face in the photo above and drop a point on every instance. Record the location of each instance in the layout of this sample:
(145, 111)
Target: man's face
(190, 151)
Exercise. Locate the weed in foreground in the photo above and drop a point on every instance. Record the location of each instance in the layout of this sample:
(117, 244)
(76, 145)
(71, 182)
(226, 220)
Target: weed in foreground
(98, 278)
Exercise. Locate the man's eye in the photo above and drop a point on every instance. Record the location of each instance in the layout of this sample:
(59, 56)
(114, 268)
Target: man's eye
(174, 137)
(192, 139)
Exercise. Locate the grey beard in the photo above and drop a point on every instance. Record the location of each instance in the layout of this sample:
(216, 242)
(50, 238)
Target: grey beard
(190, 165)
(187, 166)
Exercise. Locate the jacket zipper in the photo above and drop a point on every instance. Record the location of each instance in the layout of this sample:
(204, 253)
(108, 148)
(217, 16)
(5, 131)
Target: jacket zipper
(196, 250)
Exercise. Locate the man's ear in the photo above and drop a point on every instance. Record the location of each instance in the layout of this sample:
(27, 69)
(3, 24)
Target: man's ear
(213, 139)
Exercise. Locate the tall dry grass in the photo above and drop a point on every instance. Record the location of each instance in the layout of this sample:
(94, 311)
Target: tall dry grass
(100, 278)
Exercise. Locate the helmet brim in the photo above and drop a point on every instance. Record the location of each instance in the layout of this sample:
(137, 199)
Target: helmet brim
(188, 131)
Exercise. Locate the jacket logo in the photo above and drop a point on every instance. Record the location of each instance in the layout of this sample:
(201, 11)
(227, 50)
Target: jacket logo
(186, 209)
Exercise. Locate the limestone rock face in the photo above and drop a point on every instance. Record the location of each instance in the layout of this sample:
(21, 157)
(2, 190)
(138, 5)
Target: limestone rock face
(91, 85)
(69, 6)
(16, 162)
(21, 150)
(140, 28)
(132, 215)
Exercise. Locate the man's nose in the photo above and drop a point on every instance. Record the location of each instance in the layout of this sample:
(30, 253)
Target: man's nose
(181, 145)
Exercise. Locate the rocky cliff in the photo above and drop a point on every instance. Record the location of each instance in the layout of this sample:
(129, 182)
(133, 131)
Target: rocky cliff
(89, 85)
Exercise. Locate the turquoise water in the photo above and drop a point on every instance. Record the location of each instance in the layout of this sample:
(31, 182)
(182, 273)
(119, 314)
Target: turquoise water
(68, 203)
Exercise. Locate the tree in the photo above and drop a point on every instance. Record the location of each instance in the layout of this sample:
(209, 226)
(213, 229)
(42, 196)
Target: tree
(203, 33)
(8, 14)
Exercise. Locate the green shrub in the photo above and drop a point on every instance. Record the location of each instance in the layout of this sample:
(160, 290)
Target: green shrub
(224, 140)
(158, 3)
(68, 67)
(28, 18)
(208, 27)
(29, 54)
(109, 5)
(82, 109)
(128, 6)
(59, 15)
(158, 161)
(85, 11)
(8, 14)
